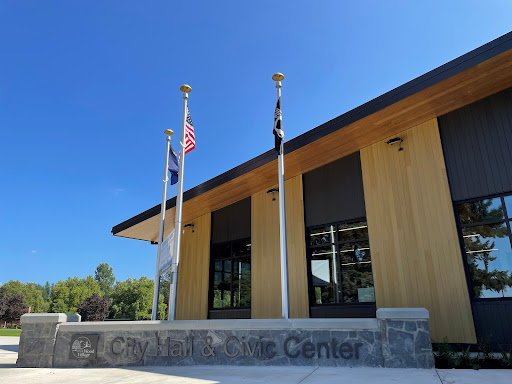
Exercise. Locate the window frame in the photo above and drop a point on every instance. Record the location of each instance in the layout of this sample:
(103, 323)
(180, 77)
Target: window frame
(508, 222)
(337, 243)
(211, 294)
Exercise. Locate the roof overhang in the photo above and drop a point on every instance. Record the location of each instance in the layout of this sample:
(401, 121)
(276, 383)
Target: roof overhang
(471, 77)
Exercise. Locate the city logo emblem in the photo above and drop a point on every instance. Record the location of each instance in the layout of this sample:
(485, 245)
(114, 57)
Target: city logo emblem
(84, 347)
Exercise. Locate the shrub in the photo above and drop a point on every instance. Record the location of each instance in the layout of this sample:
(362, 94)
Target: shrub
(94, 308)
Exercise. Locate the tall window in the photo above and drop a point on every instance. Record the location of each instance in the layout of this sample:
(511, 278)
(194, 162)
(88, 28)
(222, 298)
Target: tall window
(231, 274)
(341, 266)
(485, 230)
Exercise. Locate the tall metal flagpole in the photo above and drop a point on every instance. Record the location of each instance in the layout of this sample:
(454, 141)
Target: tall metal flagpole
(168, 132)
(282, 218)
(186, 89)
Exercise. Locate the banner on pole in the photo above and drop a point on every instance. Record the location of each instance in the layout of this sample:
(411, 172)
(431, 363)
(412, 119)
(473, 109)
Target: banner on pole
(165, 258)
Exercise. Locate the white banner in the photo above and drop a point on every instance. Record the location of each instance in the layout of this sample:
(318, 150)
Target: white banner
(165, 257)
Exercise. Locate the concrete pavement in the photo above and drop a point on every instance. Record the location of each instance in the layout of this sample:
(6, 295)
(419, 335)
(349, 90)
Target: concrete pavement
(233, 374)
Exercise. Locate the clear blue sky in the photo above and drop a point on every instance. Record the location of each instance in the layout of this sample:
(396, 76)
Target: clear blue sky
(87, 88)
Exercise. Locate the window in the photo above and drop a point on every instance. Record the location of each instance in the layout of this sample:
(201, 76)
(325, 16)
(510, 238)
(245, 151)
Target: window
(485, 231)
(341, 266)
(231, 274)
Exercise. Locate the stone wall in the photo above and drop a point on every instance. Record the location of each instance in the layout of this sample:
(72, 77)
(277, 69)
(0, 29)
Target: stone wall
(397, 338)
(38, 337)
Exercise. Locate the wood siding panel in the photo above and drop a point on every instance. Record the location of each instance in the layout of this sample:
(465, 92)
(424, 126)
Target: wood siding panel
(413, 238)
(265, 259)
(296, 243)
(265, 267)
(193, 276)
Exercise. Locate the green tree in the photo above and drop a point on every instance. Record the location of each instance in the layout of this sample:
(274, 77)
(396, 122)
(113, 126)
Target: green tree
(31, 292)
(67, 294)
(104, 275)
(133, 299)
(47, 291)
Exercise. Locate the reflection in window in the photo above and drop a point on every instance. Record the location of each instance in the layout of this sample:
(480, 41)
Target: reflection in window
(231, 274)
(485, 228)
(341, 270)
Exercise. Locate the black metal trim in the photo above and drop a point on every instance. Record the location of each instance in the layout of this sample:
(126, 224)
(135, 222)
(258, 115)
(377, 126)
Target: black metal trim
(445, 71)
(311, 294)
(506, 221)
(212, 271)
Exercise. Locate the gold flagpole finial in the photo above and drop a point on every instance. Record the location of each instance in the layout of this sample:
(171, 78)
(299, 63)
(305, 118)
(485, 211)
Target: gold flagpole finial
(277, 76)
(169, 132)
(186, 88)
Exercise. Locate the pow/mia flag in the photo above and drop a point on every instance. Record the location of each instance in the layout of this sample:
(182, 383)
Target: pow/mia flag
(278, 131)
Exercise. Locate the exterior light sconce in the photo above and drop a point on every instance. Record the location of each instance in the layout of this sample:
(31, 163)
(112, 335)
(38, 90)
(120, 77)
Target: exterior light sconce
(395, 140)
(273, 191)
(188, 226)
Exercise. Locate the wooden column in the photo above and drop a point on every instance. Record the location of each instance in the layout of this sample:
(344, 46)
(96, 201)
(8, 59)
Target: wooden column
(193, 276)
(414, 243)
(265, 270)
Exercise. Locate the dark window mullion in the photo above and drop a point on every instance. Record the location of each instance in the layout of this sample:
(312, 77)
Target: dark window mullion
(507, 219)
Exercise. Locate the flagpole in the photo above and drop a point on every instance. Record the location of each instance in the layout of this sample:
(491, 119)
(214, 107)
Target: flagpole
(282, 218)
(186, 89)
(168, 133)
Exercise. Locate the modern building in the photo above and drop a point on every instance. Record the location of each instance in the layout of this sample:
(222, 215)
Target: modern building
(405, 201)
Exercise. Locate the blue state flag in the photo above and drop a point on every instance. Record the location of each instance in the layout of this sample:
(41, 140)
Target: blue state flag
(173, 166)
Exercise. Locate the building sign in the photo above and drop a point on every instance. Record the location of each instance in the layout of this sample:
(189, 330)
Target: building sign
(83, 347)
(251, 347)
(165, 256)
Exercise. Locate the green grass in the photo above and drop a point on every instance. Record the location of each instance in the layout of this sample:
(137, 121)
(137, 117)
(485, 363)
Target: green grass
(10, 332)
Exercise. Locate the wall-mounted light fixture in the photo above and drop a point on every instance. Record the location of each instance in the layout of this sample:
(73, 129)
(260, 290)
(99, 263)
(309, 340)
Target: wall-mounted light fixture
(188, 226)
(273, 191)
(396, 140)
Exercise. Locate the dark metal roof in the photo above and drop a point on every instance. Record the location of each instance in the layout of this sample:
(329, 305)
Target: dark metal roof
(466, 61)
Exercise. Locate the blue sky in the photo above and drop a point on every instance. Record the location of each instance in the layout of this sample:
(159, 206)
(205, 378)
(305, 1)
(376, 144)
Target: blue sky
(87, 88)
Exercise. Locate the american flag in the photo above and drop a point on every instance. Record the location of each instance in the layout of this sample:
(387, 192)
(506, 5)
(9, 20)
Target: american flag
(190, 138)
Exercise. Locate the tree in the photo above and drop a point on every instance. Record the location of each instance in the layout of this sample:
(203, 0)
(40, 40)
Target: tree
(94, 308)
(2, 298)
(133, 299)
(47, 291)
(12, 308)
(31, 292)
(104, 275)
(67, 294)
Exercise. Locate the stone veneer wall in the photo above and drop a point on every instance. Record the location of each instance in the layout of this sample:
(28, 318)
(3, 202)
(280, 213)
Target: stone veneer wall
(38, 337)
(397, 338)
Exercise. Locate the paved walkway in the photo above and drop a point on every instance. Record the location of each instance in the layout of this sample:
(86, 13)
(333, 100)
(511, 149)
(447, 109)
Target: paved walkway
(231, 374)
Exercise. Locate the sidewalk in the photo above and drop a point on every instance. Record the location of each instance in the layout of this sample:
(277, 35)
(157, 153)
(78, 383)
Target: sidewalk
(233, 374)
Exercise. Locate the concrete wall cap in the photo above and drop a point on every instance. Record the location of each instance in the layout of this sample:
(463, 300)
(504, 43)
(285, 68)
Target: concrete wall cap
(402, 313)
(73, 317)
(270, 324)
(44, 318)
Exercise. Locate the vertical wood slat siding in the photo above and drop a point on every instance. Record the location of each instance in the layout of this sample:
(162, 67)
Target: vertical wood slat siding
(477, 143)
(296, 245)
(265, 259)
(193, 276)
(413, 238)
